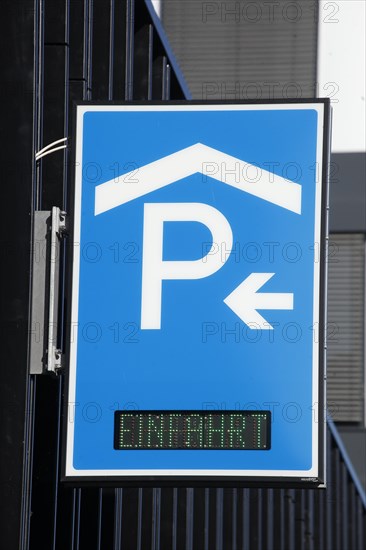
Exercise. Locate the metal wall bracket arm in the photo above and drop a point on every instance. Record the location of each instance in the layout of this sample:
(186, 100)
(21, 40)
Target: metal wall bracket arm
(58, 227)
(49, 229)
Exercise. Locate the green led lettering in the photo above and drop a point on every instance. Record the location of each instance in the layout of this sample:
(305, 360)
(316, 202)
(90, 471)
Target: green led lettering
(194, 434)
(172, 422)
(236, 432)
(239, 430)
(127, 424)
(154, 431)
(215, 431)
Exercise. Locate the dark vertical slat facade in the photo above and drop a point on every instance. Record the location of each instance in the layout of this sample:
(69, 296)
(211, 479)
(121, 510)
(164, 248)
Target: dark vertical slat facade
(60, 51)
(16, 131)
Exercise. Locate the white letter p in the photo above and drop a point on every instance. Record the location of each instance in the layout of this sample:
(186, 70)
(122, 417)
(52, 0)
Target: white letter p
(155, 270)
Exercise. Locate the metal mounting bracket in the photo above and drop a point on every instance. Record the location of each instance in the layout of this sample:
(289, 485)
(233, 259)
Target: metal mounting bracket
(49, 229)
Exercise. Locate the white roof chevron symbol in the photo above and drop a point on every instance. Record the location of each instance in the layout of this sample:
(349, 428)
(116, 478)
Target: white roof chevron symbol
(167, 170)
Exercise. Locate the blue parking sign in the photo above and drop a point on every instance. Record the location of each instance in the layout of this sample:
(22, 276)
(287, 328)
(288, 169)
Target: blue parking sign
(198, 293)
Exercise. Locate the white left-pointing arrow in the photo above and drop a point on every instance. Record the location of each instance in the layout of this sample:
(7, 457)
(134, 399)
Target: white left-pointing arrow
(245, 301)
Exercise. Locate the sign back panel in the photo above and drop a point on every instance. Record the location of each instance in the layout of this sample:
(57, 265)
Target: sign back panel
(198, 293)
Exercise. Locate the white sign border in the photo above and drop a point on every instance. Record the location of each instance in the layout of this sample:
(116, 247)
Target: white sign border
(312, 474)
